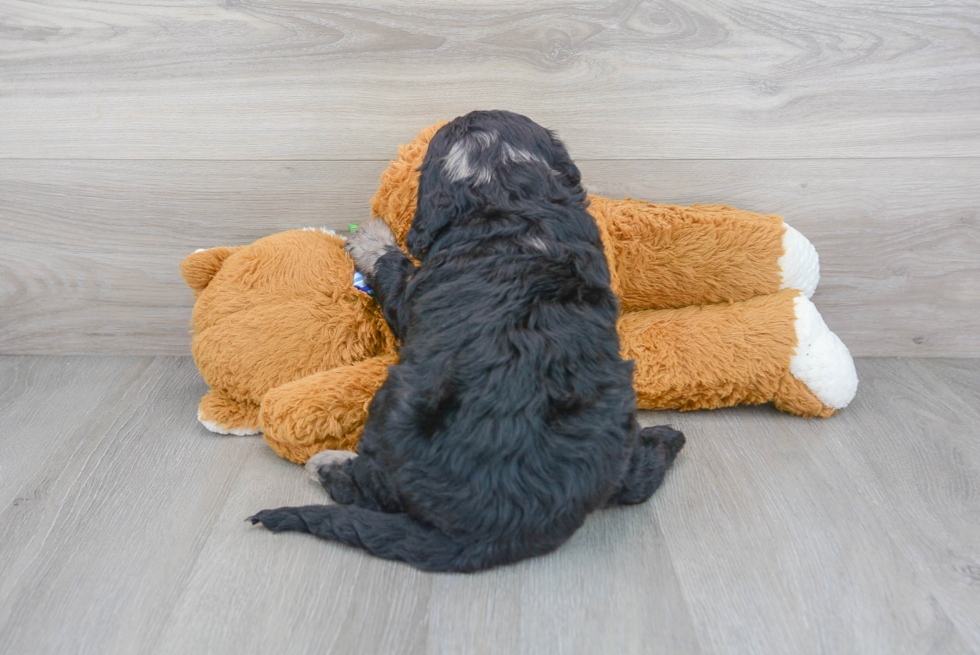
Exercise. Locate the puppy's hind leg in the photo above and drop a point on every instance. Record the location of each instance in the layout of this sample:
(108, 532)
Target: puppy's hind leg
(352, 480)
(655, 451)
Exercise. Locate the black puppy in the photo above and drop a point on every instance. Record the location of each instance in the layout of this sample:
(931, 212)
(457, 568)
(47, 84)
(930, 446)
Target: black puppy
(510, 415)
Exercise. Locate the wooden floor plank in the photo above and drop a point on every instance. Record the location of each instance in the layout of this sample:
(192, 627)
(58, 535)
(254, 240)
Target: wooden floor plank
(43, 403)
(291, 589)
(958, 382)
(772, 534)
(88, 263)
(301, 80)
(800, 555)
(930, 411)
(93, 564)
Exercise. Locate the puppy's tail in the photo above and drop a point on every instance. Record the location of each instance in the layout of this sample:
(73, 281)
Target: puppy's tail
(389, 536)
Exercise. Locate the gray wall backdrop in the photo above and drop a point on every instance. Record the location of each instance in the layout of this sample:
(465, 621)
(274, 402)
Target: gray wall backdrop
(133, 133)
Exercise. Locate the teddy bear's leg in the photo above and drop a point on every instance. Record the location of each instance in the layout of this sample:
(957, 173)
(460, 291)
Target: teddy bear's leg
(664, 256)
(222, 414)
(322, 411)
(799, 265)
(773, 348)
(821, 364)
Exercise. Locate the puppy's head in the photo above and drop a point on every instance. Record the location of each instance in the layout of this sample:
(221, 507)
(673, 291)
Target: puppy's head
(488, 160)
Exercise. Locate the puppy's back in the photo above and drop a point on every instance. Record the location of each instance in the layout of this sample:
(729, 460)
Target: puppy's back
(516, 401)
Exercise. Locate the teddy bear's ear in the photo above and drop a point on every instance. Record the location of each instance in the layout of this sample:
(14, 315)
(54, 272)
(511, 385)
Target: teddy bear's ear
(200, 267)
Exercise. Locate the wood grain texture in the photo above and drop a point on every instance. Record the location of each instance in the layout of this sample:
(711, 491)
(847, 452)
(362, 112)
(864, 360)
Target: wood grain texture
(31, 392)
(321, 601)
(773, 534)
(90, 254)
(856, 533)
(88, 262)
(591, 596)
(938, 487)
(92, 559)
(643, 79)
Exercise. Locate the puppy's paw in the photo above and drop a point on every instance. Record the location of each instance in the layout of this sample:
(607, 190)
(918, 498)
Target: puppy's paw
(326, 459)
(368, 243)
(279, 520)
(669, 440)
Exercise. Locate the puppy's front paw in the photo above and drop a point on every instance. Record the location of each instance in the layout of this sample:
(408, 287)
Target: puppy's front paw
(368, 243)
(326, 459)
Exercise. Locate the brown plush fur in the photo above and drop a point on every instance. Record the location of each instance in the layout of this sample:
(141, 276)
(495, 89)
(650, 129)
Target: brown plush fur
(275, 312)
(334, 402)
(667, 256)
(754, 337)
(289, 346)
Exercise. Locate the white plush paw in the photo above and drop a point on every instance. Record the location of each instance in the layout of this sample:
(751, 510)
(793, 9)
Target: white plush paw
(822, 362)
(223, 429)
(800, 265)
(326, 458)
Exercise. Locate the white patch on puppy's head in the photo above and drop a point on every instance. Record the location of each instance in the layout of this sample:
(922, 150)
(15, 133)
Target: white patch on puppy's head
(520, 155)
(537, 244)
(459, 162)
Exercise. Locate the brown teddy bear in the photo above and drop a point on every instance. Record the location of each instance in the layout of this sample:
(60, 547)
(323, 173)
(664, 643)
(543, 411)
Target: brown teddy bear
(714, 300)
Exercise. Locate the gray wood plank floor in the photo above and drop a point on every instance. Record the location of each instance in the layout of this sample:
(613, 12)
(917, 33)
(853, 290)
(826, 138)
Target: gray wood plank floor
(121, 531)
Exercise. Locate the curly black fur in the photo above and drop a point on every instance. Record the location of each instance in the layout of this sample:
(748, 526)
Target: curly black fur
(510, 415)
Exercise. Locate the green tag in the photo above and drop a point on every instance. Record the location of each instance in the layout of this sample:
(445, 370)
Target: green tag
(351, 226)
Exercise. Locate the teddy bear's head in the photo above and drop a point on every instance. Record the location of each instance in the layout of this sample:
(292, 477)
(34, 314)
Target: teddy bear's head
(277, 310)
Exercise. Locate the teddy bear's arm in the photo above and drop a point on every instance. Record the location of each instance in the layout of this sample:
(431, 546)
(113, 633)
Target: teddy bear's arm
(774, 348)
(664, 256)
